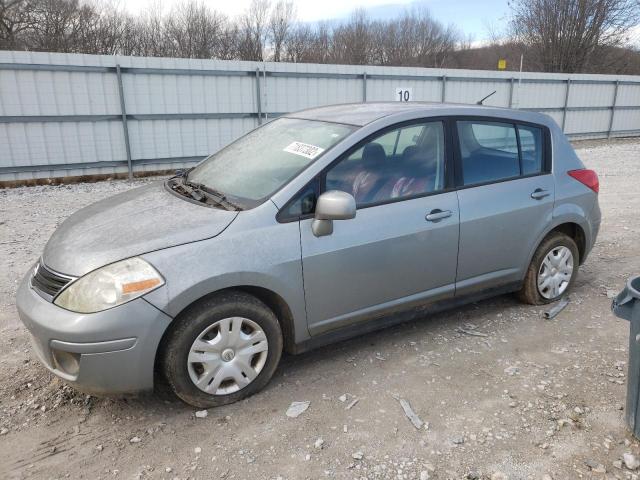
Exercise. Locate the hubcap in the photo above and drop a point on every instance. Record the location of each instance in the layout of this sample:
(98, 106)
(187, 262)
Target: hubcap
(227, 356)
(555, 272)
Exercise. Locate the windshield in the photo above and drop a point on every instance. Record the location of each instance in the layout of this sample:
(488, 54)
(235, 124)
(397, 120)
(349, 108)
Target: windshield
(258, 164)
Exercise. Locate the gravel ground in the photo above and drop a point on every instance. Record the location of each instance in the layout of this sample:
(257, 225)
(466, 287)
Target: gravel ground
(533, 399)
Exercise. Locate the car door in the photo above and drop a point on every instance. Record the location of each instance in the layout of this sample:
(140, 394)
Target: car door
(401, 248)
(506, 195)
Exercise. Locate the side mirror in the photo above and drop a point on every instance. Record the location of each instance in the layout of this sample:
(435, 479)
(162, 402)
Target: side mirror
(332, 205)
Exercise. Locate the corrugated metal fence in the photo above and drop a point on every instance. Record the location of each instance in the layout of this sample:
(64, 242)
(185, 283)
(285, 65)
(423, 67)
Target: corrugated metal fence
(64, 114)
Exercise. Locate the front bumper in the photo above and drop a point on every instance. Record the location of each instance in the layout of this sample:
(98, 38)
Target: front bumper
(110, 352)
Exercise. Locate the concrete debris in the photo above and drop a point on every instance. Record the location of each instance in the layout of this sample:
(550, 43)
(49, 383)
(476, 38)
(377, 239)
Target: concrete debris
(471, 332)
(410, 414)
(630, 461)
(352, 404)
(202, 414)
(297, 408)
(357, 455)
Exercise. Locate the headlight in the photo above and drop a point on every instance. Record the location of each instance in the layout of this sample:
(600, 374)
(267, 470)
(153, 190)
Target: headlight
(110, 286)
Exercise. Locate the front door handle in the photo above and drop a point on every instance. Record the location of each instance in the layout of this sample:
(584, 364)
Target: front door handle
(437, 214)
(539, 194)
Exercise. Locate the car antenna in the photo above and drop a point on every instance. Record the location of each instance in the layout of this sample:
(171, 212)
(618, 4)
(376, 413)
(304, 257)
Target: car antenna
(479, 102)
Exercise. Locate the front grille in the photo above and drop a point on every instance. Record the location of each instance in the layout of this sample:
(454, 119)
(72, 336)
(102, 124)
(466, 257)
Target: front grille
(47, 282)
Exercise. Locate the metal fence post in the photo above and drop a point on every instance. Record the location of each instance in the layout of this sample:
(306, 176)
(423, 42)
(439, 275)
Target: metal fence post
(125, 128)
(444, 88)
(364, 87)
(258, 96)
(613, 108)
(511, 93)
(566, 104)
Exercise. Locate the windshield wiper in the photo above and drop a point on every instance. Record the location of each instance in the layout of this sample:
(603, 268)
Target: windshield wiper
(189, 190)
(216, 196)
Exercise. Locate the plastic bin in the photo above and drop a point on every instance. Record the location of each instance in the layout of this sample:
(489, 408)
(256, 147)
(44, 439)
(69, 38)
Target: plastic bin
(627, 306)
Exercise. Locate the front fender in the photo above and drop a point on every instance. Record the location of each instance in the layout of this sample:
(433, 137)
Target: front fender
(265, 256)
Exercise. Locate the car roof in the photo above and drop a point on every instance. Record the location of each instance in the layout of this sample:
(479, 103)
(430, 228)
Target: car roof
(360, 114)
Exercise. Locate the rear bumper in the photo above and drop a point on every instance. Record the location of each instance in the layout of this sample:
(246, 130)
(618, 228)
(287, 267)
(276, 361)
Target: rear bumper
(109, 352)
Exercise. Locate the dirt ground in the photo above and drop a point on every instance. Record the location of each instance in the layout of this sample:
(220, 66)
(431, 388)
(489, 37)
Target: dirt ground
(533, 399)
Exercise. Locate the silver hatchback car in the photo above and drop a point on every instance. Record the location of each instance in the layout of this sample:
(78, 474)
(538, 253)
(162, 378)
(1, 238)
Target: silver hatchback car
(318, 226)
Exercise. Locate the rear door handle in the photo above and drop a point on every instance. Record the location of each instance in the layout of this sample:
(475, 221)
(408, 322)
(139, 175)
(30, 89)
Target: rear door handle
(539, 194)
(437, 214)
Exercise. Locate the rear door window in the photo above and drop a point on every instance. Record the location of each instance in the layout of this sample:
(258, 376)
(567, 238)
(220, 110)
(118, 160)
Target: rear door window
(488, 150)
(531, 149)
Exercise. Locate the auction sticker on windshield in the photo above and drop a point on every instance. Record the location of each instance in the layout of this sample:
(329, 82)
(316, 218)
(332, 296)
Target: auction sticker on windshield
(304, 149)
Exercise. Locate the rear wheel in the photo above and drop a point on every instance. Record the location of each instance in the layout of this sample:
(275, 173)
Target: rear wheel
(222, 349)
(552, 270)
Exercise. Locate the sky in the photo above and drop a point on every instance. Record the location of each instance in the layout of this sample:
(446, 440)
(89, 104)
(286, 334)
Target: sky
(471, 16)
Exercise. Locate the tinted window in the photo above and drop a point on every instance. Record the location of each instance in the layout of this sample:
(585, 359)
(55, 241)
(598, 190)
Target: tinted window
(489, 151)
(374, 174)
(531, 148)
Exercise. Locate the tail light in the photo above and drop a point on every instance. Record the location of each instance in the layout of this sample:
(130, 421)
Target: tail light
(586, 177)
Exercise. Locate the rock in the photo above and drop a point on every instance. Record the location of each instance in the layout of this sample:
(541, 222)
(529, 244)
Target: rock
(202, 414)
(168, 469)
(499, 476)
(357, 455)
(4, 431)
(578, 410)
(617, 464)
(134, 440)
(99, 448)
(319, 443)
(473, 476)
(297, 408)
(197, 450)
(458, 440)
(343, 397)
(595, 466)
(630, 461)
(512, 370)
(546, 476)
(424, 475)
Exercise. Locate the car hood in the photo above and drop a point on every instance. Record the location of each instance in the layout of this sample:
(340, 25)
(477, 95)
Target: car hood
(130, 223)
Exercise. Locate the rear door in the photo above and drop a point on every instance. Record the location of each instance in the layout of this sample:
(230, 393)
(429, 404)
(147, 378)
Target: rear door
(506, 195)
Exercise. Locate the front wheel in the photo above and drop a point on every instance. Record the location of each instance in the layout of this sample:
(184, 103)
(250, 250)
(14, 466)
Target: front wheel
(552, 270)
(222, 349)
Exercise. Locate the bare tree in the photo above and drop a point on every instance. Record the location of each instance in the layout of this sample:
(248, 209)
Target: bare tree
(280, 25)
(15, 18)
(566, 35)
(253, 31)
(193, 30)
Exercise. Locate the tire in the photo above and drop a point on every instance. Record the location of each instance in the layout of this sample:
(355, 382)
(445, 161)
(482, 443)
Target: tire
(227, 349)
(531, 292)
